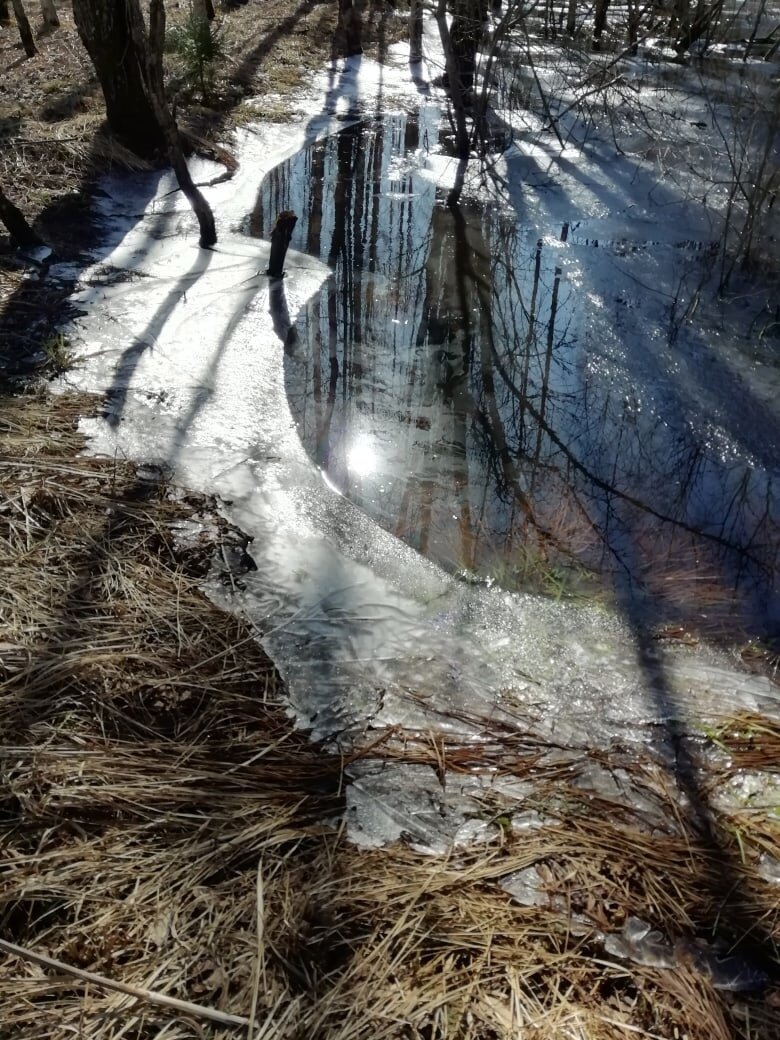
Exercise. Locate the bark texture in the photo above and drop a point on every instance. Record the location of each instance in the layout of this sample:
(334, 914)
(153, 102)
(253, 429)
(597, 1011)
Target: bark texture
(151, 51)
(104, 28)
(468, 22)
(571, 18)
(415, 31)
(128, 62)
(599, 22)
(454, 81)
(280, 242)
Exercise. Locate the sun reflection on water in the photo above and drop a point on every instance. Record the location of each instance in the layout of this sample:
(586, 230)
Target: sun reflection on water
(362, 457)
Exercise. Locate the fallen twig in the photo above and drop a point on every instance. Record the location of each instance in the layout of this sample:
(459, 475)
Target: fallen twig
(133, 991)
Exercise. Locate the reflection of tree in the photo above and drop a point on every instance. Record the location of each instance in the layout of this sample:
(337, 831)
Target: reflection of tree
(316, 174)
(323, 431)
(474, 284)
(611, 488)
(550, 346)
(456, 364)
(453, 333)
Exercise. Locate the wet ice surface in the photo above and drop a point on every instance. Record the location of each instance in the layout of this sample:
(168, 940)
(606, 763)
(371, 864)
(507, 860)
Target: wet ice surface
(189, 348)
(530, 403)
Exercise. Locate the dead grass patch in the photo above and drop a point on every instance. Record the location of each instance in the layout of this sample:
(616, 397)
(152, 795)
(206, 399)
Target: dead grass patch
(163, 825)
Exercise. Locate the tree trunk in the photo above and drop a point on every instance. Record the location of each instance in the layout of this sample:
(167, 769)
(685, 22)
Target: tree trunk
(49, 13)
(599, 22)
(634, 19)
(203, 9)
(151, 51)
(103, 26)
(697, 24)
(349, 28)
(24, 29)
(571, 18)
(454, 84)
(468, 20)
(280, 242)
(20, 231)
(415, 31)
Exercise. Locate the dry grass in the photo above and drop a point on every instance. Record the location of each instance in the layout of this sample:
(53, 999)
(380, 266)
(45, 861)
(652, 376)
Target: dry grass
(162, 825)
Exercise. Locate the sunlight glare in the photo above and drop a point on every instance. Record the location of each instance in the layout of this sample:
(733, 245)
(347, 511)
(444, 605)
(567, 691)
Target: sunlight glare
(361, 457)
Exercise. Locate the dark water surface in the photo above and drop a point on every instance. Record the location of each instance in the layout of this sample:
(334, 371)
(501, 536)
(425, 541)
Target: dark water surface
(512, 402)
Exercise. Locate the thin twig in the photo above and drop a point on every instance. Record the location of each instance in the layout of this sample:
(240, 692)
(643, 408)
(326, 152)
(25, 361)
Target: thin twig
(151, 996)
(260, 965)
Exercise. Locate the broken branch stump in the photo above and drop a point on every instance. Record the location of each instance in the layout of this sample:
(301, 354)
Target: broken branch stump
(280, 242)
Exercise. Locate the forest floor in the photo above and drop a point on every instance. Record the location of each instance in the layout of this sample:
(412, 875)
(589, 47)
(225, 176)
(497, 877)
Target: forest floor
(164, 827)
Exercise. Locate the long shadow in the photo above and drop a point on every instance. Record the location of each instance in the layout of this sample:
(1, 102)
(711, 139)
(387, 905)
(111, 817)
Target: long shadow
(75, 620)
(36, 310)
(77, 233)
(63, 691)
(116, 395)
(738, 917)
(340, 87)
(590, 469)
(65, 105)
(722, 398)
(745, 944)
(267, 42)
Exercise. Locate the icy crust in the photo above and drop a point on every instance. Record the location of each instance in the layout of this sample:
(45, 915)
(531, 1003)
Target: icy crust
(185, 346)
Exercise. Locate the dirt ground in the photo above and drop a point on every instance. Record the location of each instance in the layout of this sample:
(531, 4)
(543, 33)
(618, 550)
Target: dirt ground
(163, 828)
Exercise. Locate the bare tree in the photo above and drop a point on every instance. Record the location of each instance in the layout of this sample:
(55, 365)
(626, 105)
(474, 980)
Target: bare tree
(571, 18)
(466, 29)
(24, 29)
(748, 140)
(415, 30)
(150, 50)
(691, 23)
(599, 22)
(20, 231)
(454, 82)
(349, 28)
(105, 32)
(49, 13)
(128, 61)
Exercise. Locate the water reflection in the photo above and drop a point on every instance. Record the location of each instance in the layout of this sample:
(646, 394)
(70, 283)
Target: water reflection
(510, 406)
